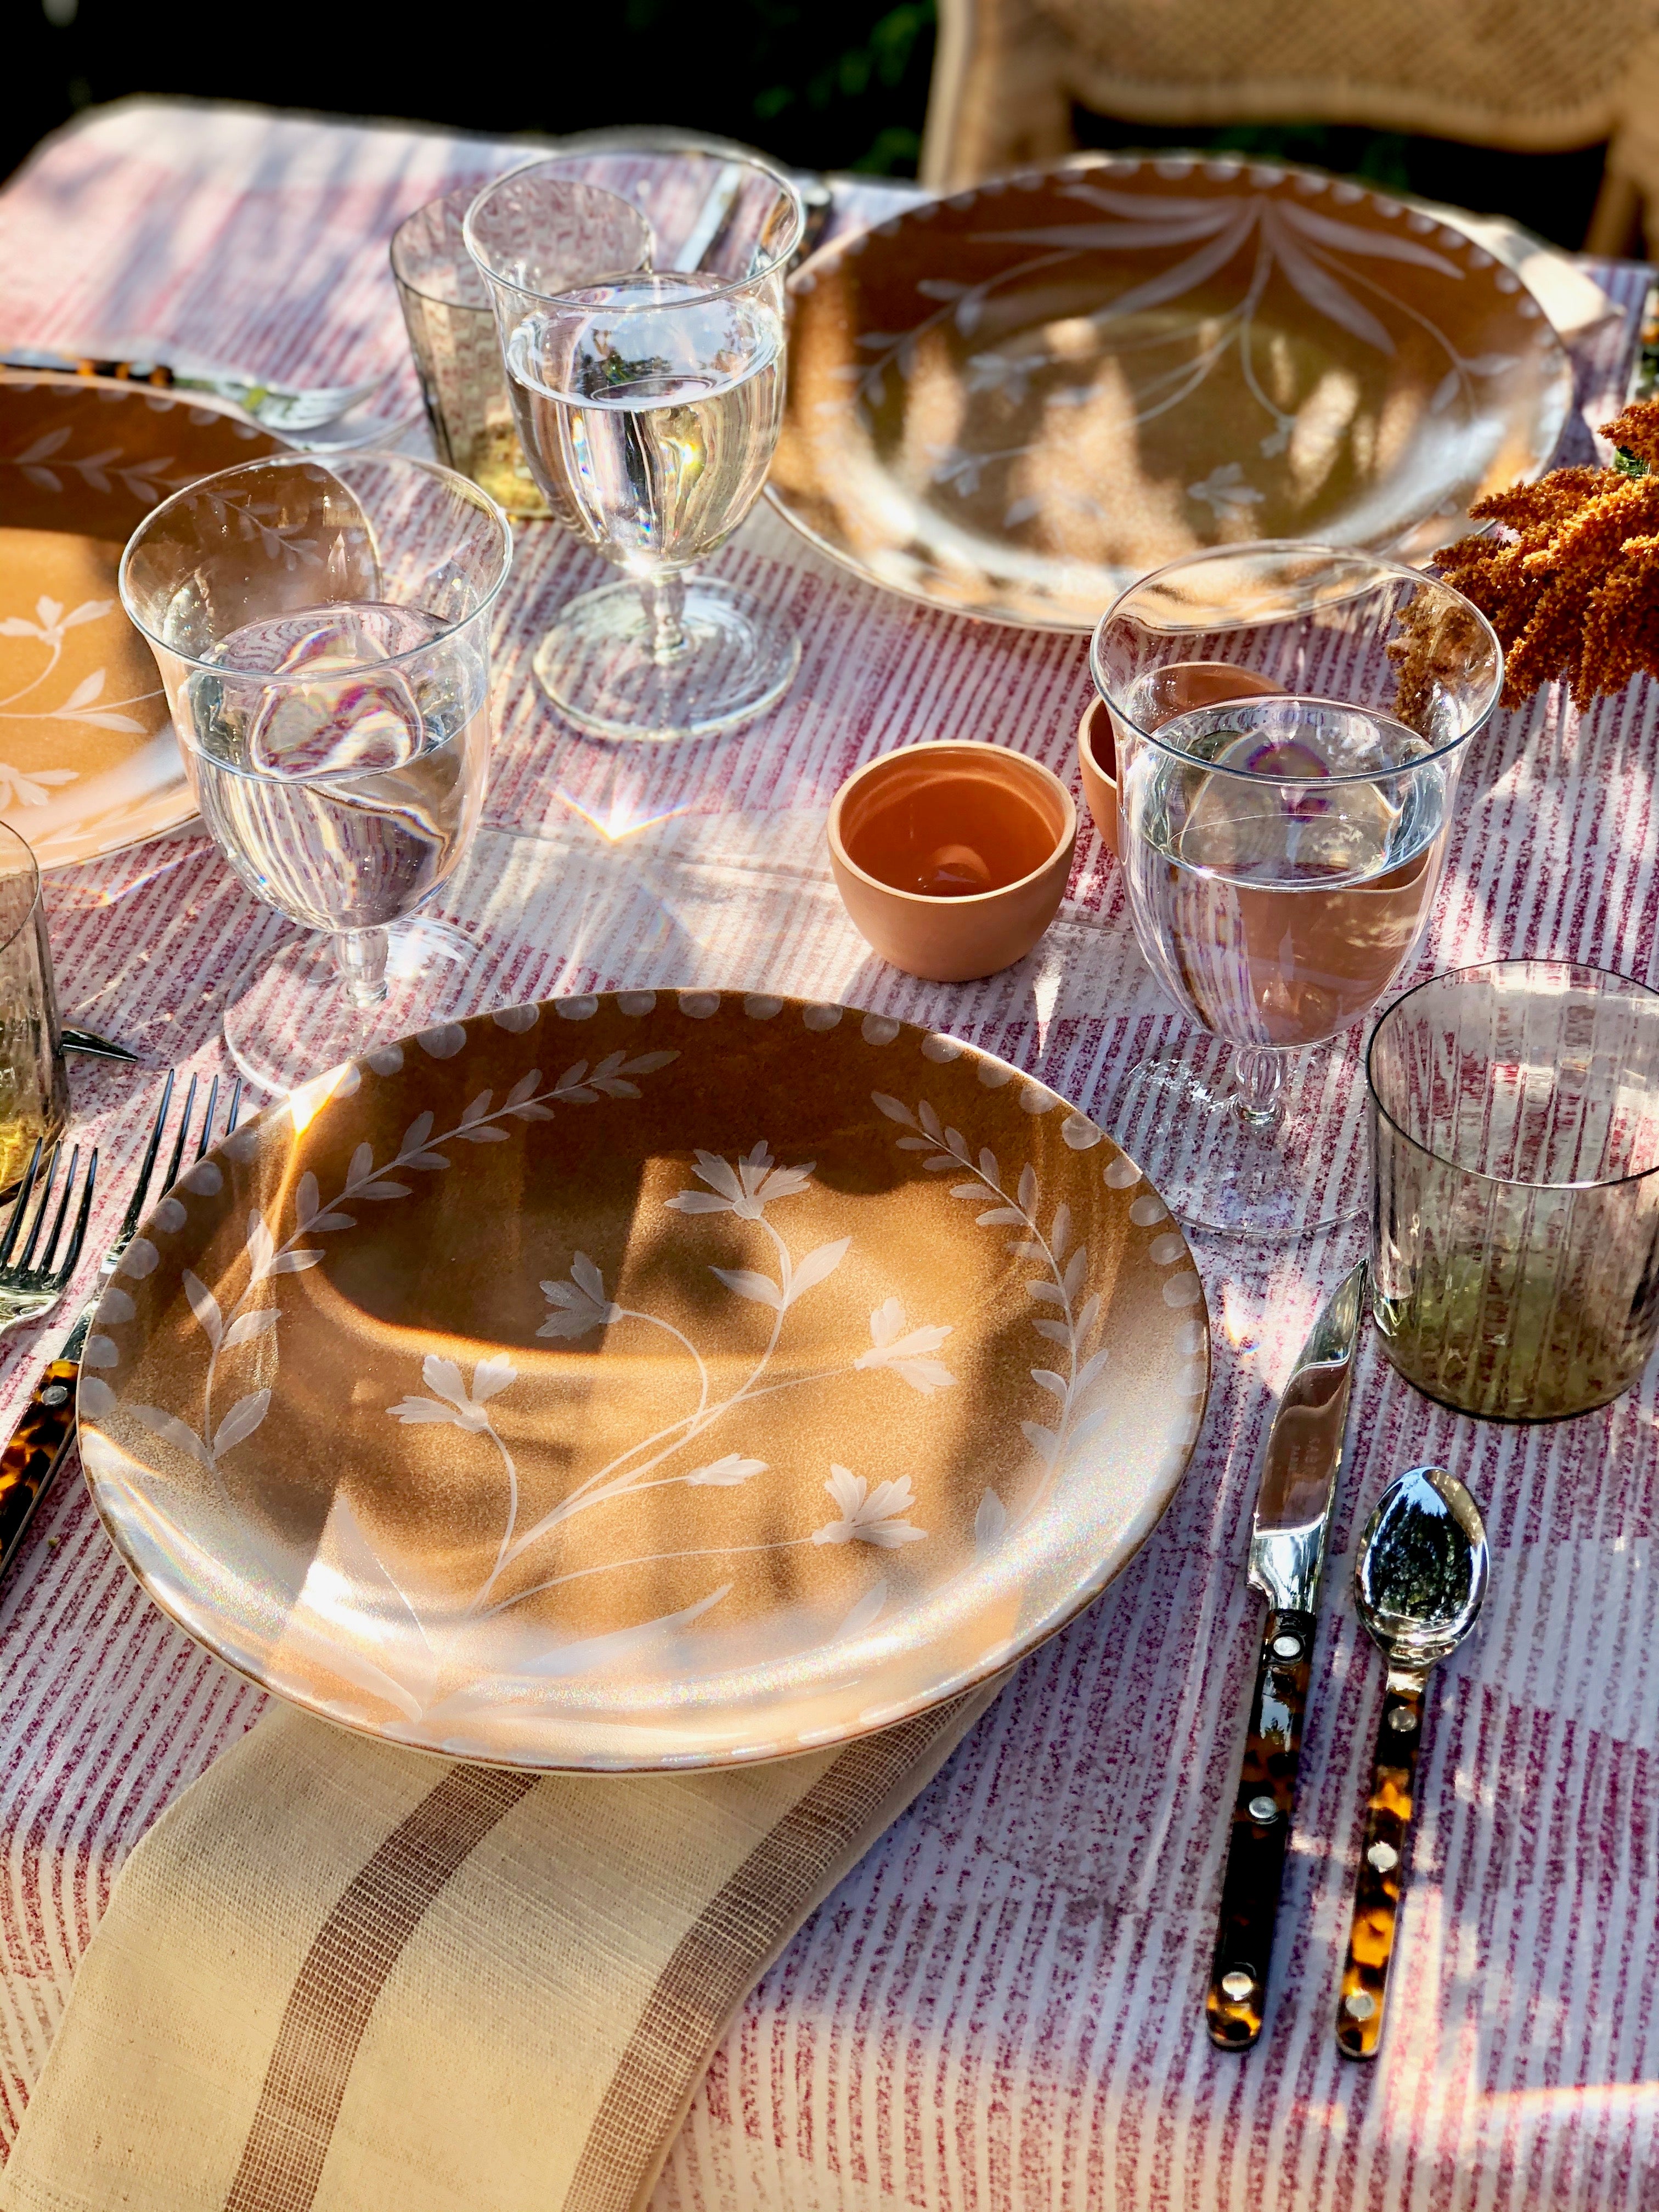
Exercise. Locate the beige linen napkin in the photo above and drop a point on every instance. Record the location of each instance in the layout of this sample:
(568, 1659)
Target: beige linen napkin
(337, 1975)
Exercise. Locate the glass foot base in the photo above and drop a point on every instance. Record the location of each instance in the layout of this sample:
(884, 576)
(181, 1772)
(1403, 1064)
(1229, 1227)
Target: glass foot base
(1177, 1115)
(596, 666)
(296, 1017)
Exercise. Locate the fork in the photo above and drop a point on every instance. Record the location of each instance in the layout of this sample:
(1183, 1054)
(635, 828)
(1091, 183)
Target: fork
(283, 407)
(34, 1275)
(29, 1464)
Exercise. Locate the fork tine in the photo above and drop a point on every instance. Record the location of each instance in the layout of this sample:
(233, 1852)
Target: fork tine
(78, 1234)
(173, 1165)
(21, 1207)
(51, 1244)
(207, 1119)
(235, 1107)
(27, 1259)
(146, 1167)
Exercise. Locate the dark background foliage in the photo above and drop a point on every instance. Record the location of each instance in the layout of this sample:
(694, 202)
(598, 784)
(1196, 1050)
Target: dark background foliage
(840, 86)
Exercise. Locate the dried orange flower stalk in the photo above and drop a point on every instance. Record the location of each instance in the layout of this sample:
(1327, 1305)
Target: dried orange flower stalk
(1573, 591)
(1438, 643)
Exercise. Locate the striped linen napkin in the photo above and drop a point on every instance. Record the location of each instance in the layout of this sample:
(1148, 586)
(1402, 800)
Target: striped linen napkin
(338, 1975)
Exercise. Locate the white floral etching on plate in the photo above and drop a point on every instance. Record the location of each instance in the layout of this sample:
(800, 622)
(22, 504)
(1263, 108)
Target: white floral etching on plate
(106, 470)
(358, 1581)
(42, 459)
(1070, 1312)
(85, 704)
(580, 1304)
(366, 1183)
(1330, 264)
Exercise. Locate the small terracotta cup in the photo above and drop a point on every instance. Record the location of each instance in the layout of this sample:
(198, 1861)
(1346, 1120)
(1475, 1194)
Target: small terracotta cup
(951, 858)
(1097, 760)
(1192, 684)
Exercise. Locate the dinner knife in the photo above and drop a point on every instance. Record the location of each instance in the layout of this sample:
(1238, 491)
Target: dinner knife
(1287, 1552)
(99, 1047)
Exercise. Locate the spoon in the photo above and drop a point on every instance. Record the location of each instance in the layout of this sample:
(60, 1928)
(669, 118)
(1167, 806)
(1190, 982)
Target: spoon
(1419, 1582)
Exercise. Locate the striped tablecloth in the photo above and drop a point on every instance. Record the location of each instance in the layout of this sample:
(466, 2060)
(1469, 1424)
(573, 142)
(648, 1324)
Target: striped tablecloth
(1002, 2007)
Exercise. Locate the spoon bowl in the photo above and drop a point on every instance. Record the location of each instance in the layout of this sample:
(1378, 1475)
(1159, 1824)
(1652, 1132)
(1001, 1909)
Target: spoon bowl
(1421, 1574)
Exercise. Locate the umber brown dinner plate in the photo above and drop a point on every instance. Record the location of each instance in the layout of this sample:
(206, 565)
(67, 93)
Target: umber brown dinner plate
(88, 762)
(1014, 402)
(646, 1381)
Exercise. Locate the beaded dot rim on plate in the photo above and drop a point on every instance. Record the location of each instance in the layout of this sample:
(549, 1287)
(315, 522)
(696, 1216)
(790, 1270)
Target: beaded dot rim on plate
(644, 1380)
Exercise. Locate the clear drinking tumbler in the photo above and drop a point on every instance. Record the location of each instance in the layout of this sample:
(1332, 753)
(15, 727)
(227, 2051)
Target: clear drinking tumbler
(1515, 1239)
(34, 1090)
(451, 326)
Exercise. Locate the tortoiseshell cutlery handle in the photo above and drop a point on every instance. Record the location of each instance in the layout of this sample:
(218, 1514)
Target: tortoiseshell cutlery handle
(1261, 1834)
(31, 1460)
(1381, 1878)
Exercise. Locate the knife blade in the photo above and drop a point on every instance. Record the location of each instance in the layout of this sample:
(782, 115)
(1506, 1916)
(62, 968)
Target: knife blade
(1294, 1505)
(99, 1047)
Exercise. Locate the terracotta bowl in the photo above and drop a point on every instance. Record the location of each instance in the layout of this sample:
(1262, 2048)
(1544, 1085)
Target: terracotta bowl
(1097, 760)
(951, 858)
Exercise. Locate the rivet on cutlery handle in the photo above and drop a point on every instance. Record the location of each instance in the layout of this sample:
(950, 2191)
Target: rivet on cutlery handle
(30, 1459)
(1381, 1878)
(1261, 1834)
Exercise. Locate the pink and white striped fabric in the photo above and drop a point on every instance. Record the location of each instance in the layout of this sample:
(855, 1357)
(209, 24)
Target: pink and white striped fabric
(1001, 2010)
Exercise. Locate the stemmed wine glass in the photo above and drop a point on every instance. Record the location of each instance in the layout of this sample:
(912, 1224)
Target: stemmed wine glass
(323, 635)
(649, 405)
(1290, 722)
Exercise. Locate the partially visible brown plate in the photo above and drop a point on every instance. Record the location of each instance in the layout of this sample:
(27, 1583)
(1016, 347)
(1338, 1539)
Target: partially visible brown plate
(1014, 402)
(88, 762)
(661, 1379)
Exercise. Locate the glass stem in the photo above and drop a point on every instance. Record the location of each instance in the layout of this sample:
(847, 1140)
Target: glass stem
(360, 955)
(664, 607)
(1260, 1070)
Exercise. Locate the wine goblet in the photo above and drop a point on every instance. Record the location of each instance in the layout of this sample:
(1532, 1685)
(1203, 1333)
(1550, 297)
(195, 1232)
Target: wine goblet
(1290, 721)
(323, 636)
(649, 405)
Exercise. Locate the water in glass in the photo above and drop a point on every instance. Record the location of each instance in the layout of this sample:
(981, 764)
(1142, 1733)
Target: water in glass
(344, 792)
(649, 417)
(1277, 901)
